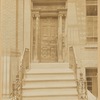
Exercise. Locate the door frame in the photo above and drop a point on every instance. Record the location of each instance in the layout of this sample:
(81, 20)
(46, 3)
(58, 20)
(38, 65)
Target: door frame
(46, 13)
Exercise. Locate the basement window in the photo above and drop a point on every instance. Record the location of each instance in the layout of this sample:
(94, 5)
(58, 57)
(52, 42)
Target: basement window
(91, 77)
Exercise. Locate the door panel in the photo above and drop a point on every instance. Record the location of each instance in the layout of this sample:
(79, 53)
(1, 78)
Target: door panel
(48, 40)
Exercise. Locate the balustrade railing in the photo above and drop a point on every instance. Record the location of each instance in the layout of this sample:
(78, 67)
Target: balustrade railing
(82, 88)
(72, 60)
(81, 82)
(17, 85)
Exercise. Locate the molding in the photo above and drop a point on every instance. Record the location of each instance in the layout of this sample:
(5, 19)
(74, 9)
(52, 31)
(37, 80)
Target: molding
(49, 1)
(15, 54)
(47, 12)
(91, 46)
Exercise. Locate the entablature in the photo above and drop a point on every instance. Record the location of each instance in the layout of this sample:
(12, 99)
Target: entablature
(51, 12)
(48, 1)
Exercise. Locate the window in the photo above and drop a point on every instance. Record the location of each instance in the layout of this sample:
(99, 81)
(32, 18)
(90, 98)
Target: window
(91, 10)
(91, 15)
(92, 29)
(91, 77)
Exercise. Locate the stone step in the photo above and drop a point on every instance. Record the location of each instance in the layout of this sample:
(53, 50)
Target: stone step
(31, 90)
(47, 92)
(44, 81)
(58, 97)
(48, 76)
(49, 70)
(42, 84)
(50, 65)
(46, 87)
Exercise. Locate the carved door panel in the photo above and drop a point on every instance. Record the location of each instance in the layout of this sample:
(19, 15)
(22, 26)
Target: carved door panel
(48, 40)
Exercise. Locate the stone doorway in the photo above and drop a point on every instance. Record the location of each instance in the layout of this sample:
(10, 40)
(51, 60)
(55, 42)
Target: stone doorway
(48, 31)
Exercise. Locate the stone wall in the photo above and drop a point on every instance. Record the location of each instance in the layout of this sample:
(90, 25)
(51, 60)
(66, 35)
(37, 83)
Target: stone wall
(16, 25)
(0, 57)
(15, 30)
(8, 19)
(8, 29)
(76, 22)
(20, 25)
(98, 50)
(27, 23)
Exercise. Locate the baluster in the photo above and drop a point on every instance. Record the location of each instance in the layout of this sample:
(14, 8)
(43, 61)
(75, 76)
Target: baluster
(82, 88)
(17, 85)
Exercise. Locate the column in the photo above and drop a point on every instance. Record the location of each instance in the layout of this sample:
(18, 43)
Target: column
(65, 37)
(32, 44)
(36, 38)
(60, 36)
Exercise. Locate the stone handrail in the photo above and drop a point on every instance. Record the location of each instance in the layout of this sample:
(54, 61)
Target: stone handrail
(17, 85)
(81, 82)
(72, 61)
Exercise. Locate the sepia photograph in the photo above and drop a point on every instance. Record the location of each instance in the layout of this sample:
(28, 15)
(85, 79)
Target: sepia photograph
(49, 50)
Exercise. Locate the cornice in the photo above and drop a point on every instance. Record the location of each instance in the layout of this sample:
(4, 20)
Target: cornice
(49, 1)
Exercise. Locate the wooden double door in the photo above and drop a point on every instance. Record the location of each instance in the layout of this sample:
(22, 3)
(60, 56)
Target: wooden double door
(48, 39)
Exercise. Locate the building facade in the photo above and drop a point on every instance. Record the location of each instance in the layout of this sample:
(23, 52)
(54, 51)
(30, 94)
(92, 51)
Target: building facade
(55, 31)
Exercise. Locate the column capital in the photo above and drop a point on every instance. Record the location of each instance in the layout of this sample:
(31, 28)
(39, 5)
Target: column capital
(37, 14)
(60, 14)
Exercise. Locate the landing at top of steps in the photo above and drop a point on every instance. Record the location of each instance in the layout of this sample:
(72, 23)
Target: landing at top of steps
(49, 68)
(56, 65)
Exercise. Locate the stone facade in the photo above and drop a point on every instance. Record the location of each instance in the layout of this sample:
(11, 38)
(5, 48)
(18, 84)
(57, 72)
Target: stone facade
(98, 51)
(14, 37)
(16, 29)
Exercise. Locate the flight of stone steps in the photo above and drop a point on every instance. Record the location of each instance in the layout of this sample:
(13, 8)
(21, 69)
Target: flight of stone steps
(49, 81)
